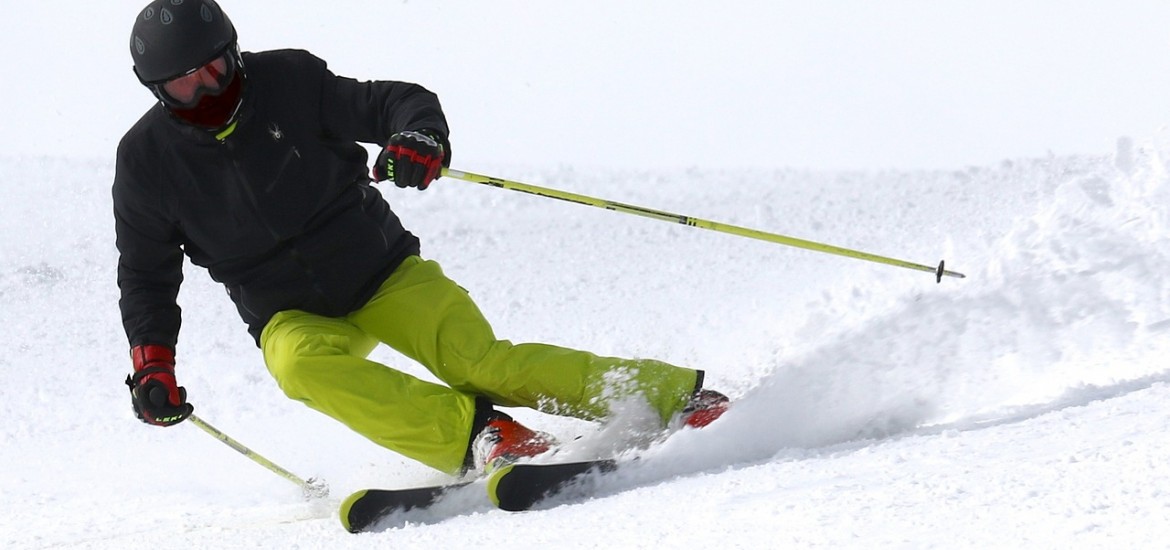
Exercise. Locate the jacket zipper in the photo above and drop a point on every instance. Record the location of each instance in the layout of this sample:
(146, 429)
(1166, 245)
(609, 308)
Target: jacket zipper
(294, 253)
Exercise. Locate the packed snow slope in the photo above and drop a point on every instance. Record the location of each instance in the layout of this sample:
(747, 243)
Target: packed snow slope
(1024, 406)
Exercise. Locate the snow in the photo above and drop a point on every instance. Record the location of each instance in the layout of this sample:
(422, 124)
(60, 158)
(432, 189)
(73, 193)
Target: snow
(1023, 406)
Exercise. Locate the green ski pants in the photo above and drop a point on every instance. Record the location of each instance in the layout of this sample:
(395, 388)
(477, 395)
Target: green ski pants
(418, 311)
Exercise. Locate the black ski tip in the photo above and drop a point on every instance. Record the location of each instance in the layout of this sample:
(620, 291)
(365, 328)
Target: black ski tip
(938, 273)
(355, 517)
(364, 510)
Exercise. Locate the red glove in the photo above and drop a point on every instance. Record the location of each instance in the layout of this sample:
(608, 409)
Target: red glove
(156, 397)
(412, 159)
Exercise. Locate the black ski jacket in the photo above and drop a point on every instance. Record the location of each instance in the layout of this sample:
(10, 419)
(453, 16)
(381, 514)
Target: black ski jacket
(280, 212)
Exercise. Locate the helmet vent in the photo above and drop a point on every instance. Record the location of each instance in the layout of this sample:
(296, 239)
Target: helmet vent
(172, 37)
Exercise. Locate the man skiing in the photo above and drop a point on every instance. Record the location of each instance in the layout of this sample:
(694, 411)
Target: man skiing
(249, 164)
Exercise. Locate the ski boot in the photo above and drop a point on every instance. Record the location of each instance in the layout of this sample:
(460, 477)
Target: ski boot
(503, 441)
(704, 408)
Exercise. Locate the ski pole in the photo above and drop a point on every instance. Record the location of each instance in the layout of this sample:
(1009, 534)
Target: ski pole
(312, 488)
(938, 271)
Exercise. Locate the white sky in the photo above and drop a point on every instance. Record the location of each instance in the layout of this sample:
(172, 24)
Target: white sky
(826, 85)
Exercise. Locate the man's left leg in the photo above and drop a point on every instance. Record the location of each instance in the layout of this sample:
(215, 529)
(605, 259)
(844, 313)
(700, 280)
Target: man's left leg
(427, 317)
(321, 362)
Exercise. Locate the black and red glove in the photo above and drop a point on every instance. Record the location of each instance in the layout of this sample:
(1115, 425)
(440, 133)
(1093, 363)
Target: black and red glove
(412, 159)
(156, 397)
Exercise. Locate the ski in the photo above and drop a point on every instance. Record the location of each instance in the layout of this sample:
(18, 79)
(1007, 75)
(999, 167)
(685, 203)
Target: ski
(366, 508)
(519, 487)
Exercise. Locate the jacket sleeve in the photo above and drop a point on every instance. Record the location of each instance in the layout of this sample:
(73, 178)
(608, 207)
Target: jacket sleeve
(371, 112)
(150, 261)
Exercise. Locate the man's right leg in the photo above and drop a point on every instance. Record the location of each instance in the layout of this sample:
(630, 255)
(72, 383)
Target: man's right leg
(321, 362)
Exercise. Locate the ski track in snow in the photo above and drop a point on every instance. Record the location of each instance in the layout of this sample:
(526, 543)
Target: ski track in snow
(1024, 406)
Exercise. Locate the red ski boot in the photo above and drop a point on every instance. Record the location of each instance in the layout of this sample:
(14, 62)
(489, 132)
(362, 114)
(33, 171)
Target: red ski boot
(704, 408)
(504, 441)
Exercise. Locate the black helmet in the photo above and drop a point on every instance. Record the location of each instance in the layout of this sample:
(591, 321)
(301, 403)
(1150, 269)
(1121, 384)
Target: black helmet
(189, 46)
(171, 37)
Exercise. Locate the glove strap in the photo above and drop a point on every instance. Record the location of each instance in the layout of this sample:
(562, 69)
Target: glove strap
(134, 381)
(431, 163)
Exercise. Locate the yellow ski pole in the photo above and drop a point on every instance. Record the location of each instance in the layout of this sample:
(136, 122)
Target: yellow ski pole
(938, 271)
(312, 488)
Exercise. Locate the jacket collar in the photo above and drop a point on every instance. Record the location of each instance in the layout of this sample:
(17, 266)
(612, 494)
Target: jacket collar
(200, 135)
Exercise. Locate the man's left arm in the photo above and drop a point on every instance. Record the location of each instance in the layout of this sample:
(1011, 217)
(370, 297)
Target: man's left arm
(373, 111)
(405, 119)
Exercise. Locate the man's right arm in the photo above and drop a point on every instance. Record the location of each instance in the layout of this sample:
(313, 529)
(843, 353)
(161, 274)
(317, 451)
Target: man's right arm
(150, 261)
(150, 270)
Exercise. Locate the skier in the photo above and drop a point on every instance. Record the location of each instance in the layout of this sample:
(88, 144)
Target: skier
(250, 165)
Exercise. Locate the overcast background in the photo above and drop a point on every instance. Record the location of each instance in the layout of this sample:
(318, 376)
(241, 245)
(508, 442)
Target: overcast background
(844, 85)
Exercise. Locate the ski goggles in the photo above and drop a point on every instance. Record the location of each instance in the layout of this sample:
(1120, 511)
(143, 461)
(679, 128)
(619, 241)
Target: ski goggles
(185, 91)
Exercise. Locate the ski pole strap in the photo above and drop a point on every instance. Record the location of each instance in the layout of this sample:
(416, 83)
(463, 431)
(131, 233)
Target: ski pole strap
(938, 271)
